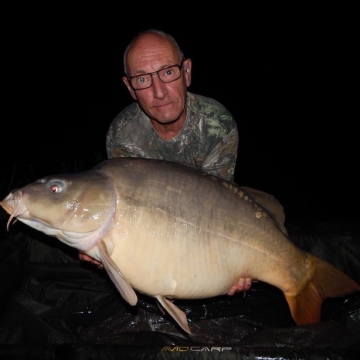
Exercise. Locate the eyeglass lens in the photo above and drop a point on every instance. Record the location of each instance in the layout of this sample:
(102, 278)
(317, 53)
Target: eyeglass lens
(166, 75)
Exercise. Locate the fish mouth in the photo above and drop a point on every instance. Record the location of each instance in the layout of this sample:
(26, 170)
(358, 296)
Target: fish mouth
(14, 207)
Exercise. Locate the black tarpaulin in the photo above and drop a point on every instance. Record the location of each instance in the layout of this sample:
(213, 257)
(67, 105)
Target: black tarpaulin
(54, 306)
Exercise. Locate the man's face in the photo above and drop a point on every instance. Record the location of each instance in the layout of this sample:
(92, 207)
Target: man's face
(162, 102)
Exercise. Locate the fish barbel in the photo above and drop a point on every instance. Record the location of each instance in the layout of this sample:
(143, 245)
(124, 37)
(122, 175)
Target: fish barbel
(171, 231)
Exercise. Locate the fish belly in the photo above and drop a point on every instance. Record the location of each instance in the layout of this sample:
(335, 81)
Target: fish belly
(163, 255)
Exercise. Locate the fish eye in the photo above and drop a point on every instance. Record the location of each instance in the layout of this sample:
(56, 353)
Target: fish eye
(55, 187)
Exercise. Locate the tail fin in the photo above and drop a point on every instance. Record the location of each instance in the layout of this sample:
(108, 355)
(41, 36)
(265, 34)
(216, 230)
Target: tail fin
(328, 281)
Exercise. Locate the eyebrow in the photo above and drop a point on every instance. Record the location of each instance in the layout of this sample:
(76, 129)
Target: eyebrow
(143, 72)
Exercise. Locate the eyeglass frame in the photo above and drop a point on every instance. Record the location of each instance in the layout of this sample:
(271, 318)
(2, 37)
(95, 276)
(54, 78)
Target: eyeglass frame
(156, 73)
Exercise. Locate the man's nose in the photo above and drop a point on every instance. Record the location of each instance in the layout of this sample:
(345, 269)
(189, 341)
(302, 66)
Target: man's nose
(159, 87)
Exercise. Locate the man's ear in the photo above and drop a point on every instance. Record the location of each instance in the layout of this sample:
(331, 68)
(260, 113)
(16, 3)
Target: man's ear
(131, 90)
(187, 67)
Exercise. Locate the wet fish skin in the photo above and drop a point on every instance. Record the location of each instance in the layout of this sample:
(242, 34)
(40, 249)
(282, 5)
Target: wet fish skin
(173, 232)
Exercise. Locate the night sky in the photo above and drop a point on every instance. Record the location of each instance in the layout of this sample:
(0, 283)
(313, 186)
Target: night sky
(289, 81)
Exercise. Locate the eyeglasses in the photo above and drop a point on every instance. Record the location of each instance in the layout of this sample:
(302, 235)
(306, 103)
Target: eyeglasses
(166, 75)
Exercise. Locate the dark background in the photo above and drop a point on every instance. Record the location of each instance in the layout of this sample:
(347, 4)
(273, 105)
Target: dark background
(286, 75)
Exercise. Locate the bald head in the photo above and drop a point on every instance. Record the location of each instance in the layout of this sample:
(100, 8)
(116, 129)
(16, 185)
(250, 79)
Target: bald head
(150, 44)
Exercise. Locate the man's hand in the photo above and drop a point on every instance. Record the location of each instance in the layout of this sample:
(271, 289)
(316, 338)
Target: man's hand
(85, 257)
(243, 284)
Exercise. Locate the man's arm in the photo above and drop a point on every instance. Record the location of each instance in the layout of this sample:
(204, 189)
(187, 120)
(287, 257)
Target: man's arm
(221, 161)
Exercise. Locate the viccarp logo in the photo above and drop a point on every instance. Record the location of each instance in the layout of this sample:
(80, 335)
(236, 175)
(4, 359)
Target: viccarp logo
(196, 348)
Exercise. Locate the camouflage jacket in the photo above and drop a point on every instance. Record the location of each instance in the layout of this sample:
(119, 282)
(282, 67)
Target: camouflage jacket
(209, 139)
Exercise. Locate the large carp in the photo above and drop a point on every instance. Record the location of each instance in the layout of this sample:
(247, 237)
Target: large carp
(174, 232)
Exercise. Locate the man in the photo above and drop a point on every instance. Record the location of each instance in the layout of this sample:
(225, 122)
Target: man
(168, 122)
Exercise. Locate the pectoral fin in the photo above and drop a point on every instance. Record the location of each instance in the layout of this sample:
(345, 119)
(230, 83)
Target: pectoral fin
(177, 314)
(123, 286)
